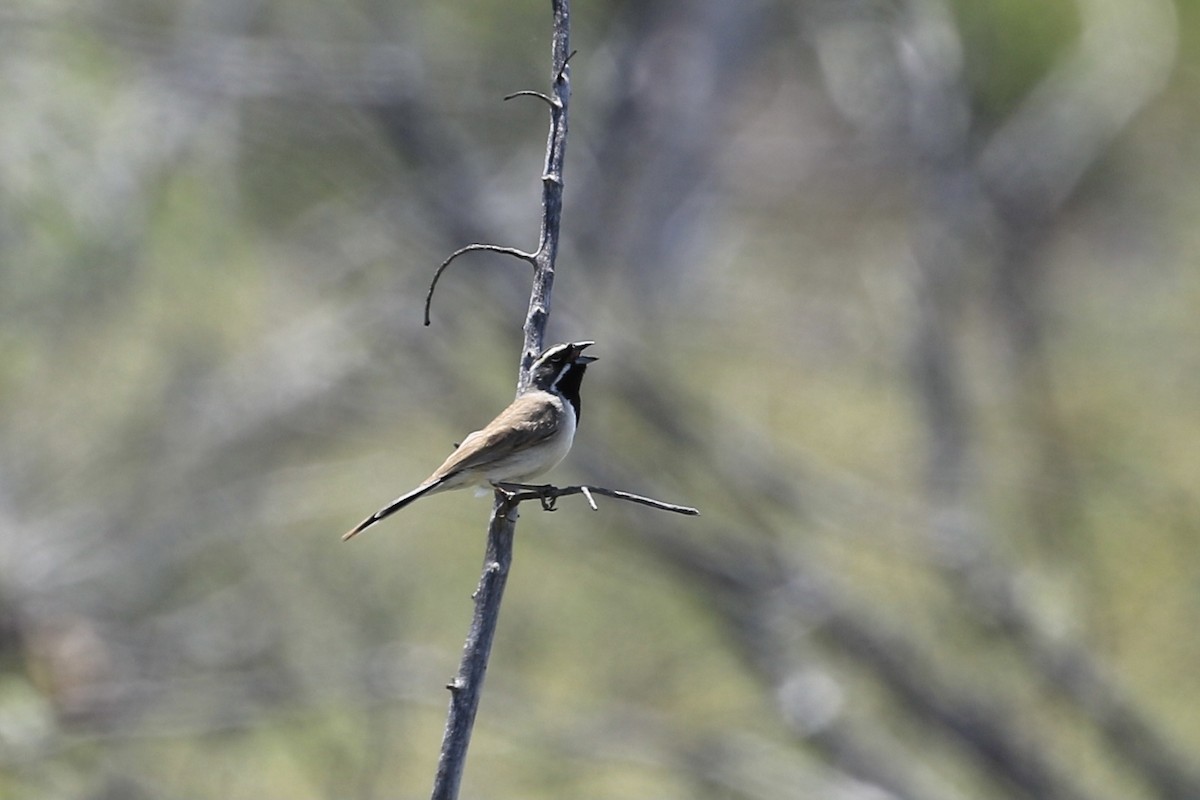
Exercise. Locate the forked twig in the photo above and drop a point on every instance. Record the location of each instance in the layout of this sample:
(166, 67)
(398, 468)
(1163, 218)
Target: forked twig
(557, 105)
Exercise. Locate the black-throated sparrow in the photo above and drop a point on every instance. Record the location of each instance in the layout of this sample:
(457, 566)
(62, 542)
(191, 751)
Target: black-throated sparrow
(526, 439)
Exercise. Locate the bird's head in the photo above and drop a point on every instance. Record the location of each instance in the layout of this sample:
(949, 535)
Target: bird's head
(556, 361)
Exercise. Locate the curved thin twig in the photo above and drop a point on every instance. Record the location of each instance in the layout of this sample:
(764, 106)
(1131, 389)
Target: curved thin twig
(530, 258)
(547, 495)
(547, 99)
(531, 93)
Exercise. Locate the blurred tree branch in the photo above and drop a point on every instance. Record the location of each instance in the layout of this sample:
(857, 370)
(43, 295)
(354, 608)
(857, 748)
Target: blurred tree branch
(1023, 177)
(989, 586)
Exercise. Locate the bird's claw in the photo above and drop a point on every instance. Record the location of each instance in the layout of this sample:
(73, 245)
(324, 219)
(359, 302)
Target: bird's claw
(547, 496)
(546, 493)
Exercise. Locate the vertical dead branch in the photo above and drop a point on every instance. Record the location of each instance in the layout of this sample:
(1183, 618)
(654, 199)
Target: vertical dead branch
(468, 683)
(552, 192)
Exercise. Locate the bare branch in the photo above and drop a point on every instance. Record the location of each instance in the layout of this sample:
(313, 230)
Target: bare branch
(531, 258)
(548, 495)
(467, 684)
(552, 192)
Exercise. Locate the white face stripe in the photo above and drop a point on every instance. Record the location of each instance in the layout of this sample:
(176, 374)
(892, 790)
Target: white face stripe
(566, 366)
(551, 353)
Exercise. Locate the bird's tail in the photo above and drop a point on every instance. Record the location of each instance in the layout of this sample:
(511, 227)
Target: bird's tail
(390, 508)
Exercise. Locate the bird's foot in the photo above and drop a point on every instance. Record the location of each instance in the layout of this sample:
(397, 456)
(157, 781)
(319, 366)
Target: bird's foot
(545, 493)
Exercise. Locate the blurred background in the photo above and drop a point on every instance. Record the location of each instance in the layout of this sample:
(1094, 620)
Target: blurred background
(901, 293)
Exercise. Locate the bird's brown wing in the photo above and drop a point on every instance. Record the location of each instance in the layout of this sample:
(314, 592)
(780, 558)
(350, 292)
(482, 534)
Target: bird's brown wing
(530, 419)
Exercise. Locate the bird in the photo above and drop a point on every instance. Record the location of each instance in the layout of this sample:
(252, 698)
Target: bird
(525, 440)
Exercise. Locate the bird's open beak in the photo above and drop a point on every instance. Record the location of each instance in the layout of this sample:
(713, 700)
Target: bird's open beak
(579, 348)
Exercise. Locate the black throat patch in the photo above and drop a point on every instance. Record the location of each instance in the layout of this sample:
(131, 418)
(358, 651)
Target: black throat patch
(568, 386)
